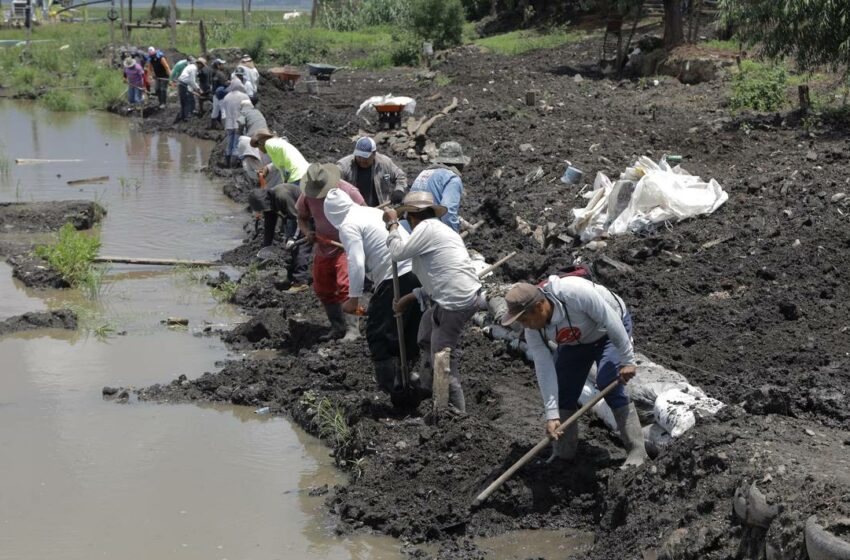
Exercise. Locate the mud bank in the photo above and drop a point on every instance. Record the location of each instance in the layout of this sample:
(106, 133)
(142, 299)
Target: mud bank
(751, 303)
(32, 217)
(56, 319)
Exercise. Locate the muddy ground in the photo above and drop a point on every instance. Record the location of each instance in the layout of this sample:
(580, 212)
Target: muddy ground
(750, 303)
(19, 219)
(55, 319)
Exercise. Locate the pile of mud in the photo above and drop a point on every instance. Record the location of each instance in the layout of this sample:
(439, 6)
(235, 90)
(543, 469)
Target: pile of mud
(55, 319)
(30, 217)
(750, 303)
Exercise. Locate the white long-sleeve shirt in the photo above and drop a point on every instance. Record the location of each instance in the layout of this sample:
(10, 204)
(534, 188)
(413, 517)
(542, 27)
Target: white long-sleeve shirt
(252, 76)
(364, 235)
(440, 262)
(583, 312)
(189, 77)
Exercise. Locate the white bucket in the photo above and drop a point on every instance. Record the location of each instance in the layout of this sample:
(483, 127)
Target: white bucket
(428, 49)
(312, 87)
(572, 175)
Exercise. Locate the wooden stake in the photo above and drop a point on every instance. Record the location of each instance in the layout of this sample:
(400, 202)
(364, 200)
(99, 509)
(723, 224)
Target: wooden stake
(202, 31)
(496, 265)
(440, 384)
(157, 262)
(173, 22)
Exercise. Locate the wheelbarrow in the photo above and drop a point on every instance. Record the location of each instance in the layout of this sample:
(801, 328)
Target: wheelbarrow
(287, 76)
(389, 114)
(321, 71)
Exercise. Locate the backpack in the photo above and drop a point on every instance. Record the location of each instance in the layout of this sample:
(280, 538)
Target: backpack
(579, 269)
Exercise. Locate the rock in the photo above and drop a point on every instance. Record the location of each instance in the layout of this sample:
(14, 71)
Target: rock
(812, 155)
(796, 243)
(109, 391)
(539, 236)
(596, 245)
(578, 79)
(838, 197)
(605, 161)
(522, 226)
(751, 507)
(810, 432)
(789, 310)
(526, 148)
(401, 445)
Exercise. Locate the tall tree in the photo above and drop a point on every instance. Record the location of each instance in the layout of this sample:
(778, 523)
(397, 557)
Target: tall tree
(674, 24)
(814, 32)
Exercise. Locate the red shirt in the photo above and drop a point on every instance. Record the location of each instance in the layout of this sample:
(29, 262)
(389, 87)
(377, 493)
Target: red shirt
(309, 207)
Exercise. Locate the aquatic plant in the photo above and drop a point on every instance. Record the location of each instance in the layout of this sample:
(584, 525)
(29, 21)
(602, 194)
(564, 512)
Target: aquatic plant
(72, 256)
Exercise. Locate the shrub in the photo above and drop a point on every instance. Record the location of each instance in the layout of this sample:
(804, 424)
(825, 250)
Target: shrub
(440, 21)
(405, 51)
(256, 49)
(302, 46)
(384, 12)
(163, 12)
(108, 88)
(63, 100)
(72, 255)
(758, 86)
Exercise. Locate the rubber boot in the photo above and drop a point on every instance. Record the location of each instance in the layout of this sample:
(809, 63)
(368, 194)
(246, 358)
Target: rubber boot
(632, 435)
(565, 446)
(386, 375)
(352, 328)
(337, 320)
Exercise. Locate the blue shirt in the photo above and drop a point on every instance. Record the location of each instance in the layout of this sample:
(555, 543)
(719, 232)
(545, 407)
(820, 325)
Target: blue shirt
(446, 187)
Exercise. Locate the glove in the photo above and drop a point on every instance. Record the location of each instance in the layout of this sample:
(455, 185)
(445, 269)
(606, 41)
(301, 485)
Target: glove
(397, 196)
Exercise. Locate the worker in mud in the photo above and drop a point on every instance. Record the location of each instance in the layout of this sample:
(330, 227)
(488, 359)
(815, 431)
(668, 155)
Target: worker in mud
(375, 175)
(248, 70)
(284, 156)
(364, 237)
(280, 202)
(157, 65)
(231, 107)
(251, 120)
(188, 88)
(330, 267)
(219, 80)
(450, 285)
(135, 78)
(586, 323)
(444, 182)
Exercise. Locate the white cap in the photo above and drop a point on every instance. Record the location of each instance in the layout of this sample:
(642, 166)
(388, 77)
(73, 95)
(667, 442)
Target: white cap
(365, 147)
(151, 50)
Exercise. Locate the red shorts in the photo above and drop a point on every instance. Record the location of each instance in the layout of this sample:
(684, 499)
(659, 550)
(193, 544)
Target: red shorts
(330, 277)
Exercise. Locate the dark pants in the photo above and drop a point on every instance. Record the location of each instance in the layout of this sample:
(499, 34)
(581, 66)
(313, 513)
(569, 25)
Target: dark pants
(381, 327)
(162, 90)
(187, 102)
(572, 365)
(299, 265)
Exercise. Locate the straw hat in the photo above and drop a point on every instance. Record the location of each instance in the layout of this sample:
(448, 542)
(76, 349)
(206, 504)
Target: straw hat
(418, 201)
(261, 136)
(129, 62)
(319, 179)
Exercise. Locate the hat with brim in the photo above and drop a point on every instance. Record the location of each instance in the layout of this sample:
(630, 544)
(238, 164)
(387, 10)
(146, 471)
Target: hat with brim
(450, 153)
(129, 62)
(418, 201)
(258, 200)
(319, 179)
(260, 136)
(201, 60)
(520, 298)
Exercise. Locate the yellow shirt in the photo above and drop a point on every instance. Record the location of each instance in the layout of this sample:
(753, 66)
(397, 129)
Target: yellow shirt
(287, 159)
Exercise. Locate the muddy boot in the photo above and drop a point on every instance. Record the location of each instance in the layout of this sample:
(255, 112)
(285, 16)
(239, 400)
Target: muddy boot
(632, 435)
(565, 446)
(337, 320)
(352, 328)
(456, 398)
(386, 373)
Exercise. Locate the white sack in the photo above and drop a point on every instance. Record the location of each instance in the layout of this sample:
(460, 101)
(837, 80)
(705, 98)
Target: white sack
(368, 106)
(677, 411)
(647, 193)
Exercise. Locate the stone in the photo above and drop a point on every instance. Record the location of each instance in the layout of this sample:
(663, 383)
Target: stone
(838, 197)
(526, 148)
(812, 155)
(578, 79)
(401, 445)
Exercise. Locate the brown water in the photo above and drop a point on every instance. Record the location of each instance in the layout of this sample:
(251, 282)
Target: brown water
(84, 478)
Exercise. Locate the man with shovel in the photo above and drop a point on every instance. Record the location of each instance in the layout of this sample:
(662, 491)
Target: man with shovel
(330, 268)
(586, 323)
(449, 281)
(364, 236)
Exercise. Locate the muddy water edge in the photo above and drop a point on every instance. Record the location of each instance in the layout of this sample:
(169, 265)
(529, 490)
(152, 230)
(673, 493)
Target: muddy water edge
(84, 477)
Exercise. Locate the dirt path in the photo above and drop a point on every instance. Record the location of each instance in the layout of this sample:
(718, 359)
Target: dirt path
(758, 320)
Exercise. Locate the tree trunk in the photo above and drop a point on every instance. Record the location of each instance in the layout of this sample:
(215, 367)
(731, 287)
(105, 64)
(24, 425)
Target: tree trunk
(202, 30)
(674, 28)
(153, 8)
(621, 58)
(192, 11)
(244, 21)
(173, 18)
(314, 12)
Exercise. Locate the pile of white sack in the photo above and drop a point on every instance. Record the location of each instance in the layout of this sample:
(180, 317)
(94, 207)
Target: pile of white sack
(646, 193)
(368, 106)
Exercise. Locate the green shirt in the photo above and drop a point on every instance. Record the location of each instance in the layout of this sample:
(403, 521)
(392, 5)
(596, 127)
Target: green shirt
(287, 159)
(178, 69)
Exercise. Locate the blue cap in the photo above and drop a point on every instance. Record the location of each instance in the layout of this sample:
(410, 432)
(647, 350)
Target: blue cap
(365, 147)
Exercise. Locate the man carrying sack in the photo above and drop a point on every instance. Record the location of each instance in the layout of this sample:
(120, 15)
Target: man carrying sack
(449, 282)
(330, 268)
(587, 323)
(364, 236)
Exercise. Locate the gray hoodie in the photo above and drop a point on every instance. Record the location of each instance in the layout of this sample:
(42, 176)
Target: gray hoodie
(232, 104)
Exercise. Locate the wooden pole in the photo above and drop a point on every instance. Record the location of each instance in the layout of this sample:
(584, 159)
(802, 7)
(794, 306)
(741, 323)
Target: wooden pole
(157, 262)
(130, 7)
(472, 229)
(202, 31)
(399, 321)
(123, 24)
(192, 11)
(244, 19)
(542, 444)
(173, 18)
(496, 265)
(440, 384)
(313, 13)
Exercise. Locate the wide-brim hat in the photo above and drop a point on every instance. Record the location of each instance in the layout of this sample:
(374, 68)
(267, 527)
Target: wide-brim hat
(129, 62)
(201, 60)
(419, 201)
(450, 153)
(260, 136)
(319, 179)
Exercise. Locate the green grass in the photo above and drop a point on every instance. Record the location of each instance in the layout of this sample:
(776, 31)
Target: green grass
(729, 45)
(72, 255)
(224, 292)
(5, 164)
(518, 42)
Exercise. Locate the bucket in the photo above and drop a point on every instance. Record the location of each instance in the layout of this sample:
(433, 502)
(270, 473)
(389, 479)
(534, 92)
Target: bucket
(312, 87)
(572, 175)
(427, 49)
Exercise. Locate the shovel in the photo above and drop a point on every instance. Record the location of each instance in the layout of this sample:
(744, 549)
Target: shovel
(542, 445)
(399, 321)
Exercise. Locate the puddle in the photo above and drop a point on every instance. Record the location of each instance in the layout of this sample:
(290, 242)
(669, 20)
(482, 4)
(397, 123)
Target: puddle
(519, 545)
(85, 478)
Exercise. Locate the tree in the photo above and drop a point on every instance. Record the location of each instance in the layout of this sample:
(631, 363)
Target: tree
(440, 21)
(674, 26)
(814, 32)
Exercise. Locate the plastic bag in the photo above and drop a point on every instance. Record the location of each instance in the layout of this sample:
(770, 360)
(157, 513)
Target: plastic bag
(368, 106)
(677, 411)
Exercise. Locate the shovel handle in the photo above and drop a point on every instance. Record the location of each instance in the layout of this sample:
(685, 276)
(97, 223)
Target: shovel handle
(399, 321)
(542, 444)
